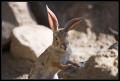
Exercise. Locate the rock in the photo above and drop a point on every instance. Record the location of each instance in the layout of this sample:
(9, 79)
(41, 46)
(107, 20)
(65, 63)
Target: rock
(104, 65)
(7, 28)
(30, 41)
(106, 62)
(21, 13)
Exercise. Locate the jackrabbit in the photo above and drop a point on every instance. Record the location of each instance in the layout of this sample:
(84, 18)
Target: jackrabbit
(49, 62)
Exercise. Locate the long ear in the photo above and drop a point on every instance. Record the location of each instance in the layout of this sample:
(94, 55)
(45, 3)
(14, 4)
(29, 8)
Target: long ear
(52, 19)
(73, 23)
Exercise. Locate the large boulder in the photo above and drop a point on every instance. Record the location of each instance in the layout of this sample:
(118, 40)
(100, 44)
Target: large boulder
(30, 41)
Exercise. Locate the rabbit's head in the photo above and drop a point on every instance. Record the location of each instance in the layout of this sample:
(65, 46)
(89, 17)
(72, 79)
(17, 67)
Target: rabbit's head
(60, 40)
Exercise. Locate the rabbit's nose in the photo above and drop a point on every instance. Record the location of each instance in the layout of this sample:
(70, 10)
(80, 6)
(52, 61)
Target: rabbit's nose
(63, 46)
